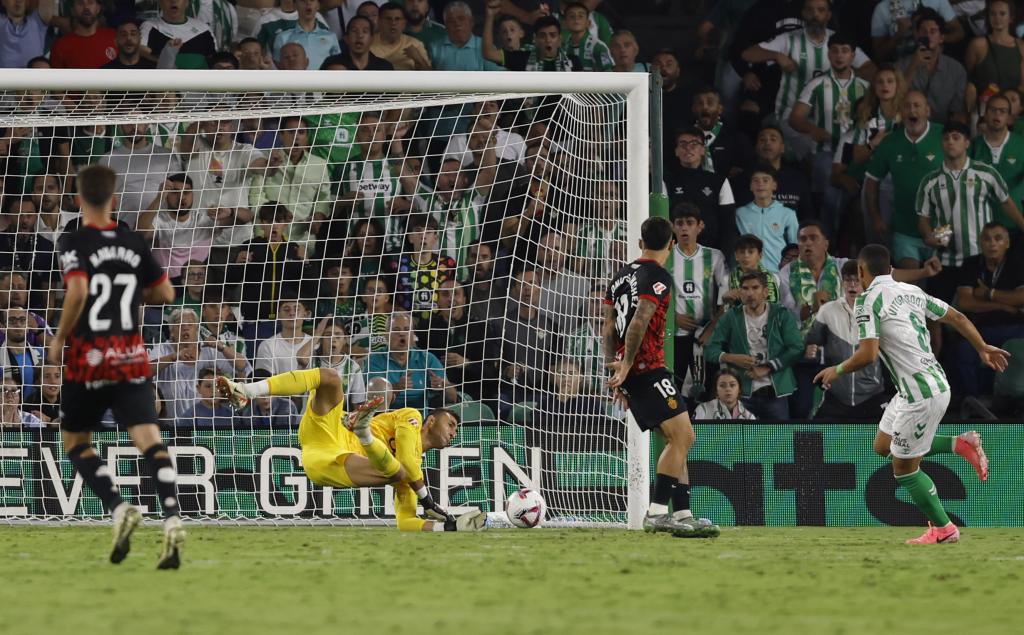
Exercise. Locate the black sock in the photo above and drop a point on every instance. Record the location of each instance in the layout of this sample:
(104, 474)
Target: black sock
(162, 471)
(96, 475)
(680, 497)
(663, 488)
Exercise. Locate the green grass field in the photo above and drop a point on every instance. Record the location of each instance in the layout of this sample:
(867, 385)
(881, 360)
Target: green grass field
(352, 580)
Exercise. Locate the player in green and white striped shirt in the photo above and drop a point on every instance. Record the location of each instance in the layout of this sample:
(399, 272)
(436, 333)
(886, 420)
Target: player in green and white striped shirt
(891, 318)
(701, 277)
(960, 194)
(824, 110)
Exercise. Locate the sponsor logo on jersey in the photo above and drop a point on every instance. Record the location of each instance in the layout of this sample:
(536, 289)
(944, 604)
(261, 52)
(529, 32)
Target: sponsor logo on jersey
(659, 288)
(69, 261)
(863, 319)
(672, 403)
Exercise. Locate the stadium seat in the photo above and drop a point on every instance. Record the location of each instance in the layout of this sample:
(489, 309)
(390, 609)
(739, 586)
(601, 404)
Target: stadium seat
(523, 412)
(1011, 382)
(473, 412)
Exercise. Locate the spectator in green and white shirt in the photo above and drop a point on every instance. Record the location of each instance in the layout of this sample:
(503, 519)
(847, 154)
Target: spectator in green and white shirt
(823, 113)
(584, 344)
(1002, 149)
(700, 276)
(801, 54)
(592, 52)
(959, 196)
(331, 350)
(600, 242)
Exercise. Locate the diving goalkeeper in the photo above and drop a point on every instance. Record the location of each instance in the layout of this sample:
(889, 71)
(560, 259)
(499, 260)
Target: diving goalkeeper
(364, 448)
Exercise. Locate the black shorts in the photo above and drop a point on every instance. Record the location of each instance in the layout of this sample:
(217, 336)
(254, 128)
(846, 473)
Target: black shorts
(83, 408)
(654, 398)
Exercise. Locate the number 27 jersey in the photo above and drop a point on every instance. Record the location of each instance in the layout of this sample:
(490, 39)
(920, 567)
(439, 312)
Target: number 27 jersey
(106, 345)
(641, 279)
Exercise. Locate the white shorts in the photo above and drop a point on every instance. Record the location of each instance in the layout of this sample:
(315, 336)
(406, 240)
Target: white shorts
(912, 426)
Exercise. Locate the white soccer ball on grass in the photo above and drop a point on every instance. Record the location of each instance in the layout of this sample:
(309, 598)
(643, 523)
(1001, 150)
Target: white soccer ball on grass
(525, 508)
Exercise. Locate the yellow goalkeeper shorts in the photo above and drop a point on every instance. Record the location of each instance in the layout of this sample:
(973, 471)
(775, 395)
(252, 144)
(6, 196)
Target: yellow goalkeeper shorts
(326, 444)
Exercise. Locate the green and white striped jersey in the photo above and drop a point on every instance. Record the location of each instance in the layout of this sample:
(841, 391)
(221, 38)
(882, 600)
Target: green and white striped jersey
(699, 280)
(459, 220)
(811, 60)
(376, 181)
(595, 244)
(962, 199)
(831, 100)
(895, 314)
(222, 17)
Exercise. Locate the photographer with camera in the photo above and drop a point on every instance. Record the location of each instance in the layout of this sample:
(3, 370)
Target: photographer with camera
(941, 78)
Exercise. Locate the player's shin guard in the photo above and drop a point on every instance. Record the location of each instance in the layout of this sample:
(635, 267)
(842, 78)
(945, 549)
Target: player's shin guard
(922, 492)
(942, 445)
(164, 477)
(296, 382)
(382, 460)
(96, 475)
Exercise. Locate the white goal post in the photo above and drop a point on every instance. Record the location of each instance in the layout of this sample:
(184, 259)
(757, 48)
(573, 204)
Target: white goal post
(549, 171)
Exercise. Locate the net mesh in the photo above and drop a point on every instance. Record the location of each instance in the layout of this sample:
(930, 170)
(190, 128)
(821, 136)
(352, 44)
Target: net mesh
(458, 246)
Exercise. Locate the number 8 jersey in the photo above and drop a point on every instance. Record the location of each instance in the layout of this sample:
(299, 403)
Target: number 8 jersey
(106, 345)
(641, 279)
(895, 314)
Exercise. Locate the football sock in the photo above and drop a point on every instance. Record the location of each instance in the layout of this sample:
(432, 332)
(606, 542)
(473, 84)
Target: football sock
(296, 382)
(923, 493)
(382, 460)
(681, 499)
(942, 445)
(663, 484)
(96, 475)
(164, 477)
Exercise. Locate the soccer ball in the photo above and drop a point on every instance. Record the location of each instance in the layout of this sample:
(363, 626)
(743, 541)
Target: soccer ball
(525, 508)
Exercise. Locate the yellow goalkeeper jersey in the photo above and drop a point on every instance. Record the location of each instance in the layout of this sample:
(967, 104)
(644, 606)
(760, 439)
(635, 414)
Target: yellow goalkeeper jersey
(400, 430)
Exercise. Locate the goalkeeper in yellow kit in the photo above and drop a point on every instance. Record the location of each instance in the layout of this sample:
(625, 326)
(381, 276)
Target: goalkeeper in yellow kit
(365, 448)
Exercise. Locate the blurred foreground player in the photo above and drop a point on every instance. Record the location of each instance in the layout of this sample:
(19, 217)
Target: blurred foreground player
(108, 273)
(634, 337)
(364, 448)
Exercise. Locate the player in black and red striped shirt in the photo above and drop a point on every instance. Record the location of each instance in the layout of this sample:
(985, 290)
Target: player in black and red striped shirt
(634, 342)
(109, 272)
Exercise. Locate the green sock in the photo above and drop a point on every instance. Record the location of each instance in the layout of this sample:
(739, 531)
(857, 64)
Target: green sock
(923, 493)
(942, 445)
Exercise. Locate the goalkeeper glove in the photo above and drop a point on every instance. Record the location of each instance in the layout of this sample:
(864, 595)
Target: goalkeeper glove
(433, 511)
(475, 520)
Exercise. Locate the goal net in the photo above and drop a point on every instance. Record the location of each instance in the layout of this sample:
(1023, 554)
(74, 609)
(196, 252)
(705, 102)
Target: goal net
(451, 234)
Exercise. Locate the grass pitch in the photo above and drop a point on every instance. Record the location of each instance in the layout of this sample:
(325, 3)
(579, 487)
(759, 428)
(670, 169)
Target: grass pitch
(332, 580)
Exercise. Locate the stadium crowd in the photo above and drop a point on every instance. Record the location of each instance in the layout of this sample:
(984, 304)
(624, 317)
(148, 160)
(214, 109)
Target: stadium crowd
(432, 246)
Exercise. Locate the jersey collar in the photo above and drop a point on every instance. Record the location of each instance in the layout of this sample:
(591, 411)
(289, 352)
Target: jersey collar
(879, 280)
(112, 225)
(927, 129)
